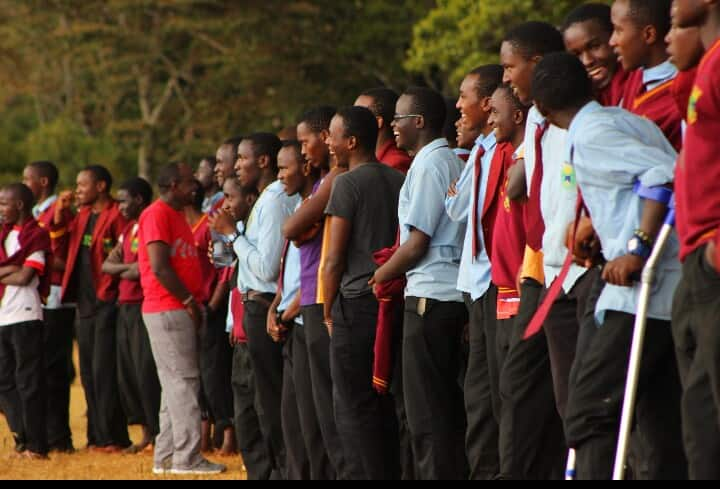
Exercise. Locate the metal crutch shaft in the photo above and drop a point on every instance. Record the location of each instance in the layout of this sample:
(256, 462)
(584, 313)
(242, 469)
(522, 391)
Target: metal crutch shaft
(647, 279)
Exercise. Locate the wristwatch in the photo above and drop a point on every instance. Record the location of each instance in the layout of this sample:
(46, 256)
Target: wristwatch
(230, 238)
(639, 247)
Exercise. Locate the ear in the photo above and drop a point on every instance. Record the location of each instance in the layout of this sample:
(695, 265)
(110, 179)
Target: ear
(324, 134)
(485, 105)
(250, 199)
(380, 121)
(44, 181)
(420, 122)
(101, 186)
(518, 117)
(306, 169)
(650, 35)
(352, 143)
(263, 161)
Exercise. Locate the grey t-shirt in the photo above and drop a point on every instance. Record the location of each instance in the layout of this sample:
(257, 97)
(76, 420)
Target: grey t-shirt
(368, 197)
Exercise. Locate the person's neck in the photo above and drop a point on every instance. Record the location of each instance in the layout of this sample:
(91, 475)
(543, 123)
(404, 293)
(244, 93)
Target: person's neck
(209, 192)
(710, 32)
(519, 136)
(563, 118)
(486, 130)
(45, 194)
(102, 203)
(383, 138)
(307, 188)
(266, 179)
(424, 138)
(657, 56)
(22, 219)
(360, 158)
(170, 200)
(192, 215)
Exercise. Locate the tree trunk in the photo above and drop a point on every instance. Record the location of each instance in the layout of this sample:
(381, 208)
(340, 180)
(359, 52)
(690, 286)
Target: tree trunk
(144, 154)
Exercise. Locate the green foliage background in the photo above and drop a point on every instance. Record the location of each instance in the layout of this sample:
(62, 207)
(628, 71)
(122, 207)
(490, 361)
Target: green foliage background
(133, 84)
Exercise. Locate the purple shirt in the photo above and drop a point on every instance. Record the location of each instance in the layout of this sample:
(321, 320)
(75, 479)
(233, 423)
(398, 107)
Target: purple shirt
(310, 263)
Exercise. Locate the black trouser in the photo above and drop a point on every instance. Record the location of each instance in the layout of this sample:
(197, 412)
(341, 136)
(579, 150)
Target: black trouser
(481, 438)
(137, 373)
(267, 362)
(320, 467)
(251, 444)
(96, 337)
(22, 383)
(298, 461)
(595, 399)
(532, 445)
(361, 415)
(696, 309)
(59, 373)
(433, 399)
(216, 369)
(561, 331)
(318, 353)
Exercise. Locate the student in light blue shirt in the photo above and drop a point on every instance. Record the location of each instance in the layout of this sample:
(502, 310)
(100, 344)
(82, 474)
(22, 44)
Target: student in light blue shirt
(429, 255)
(258, 246)
(612, 152)
(474, 272)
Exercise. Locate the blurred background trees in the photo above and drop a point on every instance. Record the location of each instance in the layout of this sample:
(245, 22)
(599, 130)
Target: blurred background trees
(133, 84)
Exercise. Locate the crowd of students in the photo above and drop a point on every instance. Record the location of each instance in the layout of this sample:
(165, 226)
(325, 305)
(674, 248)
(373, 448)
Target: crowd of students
(398, 303)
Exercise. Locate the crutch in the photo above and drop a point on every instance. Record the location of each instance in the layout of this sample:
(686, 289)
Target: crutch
(647, 279)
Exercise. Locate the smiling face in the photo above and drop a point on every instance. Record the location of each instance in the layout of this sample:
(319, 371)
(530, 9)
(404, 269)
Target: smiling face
(338, 143)
(290, 170)
(129, 206)
(591, 44)
(9, 207)
(87, 189)
(31, 178)
(469, 104)
(224, 165)
(405, 125)
(518, 71)
(502, 116)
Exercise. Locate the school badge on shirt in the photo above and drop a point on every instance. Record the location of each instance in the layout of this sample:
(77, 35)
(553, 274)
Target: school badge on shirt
(692, 105)
(568, 176)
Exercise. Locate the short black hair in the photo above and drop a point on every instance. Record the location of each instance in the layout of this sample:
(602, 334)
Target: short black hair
(535, 39)
(234, 142)
(46, 169)
(138, 187)
(652, 12)
(23, 193)
(361, 124)
(595, 12)
(318, 118)
(383, 105)
(560, 81)
(199, 195)
(266, 144)
(429, 104)
(100, 174)
(489, 77)
(296, 146)
(509, 94)
(168, 175)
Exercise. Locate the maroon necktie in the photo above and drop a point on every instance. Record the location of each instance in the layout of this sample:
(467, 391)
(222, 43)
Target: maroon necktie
(476, 197)
(542, 312)
(534, 225)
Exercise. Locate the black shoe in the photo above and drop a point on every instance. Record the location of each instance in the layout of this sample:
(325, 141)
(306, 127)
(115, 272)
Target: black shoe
(62, 447)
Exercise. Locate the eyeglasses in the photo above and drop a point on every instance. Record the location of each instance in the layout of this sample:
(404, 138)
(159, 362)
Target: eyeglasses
(398, 117)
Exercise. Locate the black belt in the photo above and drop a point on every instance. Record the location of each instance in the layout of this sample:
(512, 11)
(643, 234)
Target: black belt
(263, 298)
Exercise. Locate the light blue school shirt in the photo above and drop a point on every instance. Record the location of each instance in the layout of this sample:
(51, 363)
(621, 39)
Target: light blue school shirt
(474, 275)
(259, 249)
(291, 282)
(422, 206)
(611, 149)
(558, 197)
(657, 75)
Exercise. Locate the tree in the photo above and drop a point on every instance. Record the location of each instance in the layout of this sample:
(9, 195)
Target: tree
(458, 35)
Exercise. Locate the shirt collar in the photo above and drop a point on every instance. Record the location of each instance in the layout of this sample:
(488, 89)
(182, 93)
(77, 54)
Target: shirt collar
(660, 73)
(487, 142)
(432, 146)
(43, 206)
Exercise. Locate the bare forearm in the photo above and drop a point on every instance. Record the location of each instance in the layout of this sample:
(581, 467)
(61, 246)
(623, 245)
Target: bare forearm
(115, 269)
(652, 218)
(20, 278)
(219, 295)
(404, 259)
(132, 273)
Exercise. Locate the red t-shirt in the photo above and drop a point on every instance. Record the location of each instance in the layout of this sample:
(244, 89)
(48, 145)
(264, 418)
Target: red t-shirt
(202, 236)
(160, 222)
(698, 169)
(130, 291)
(394, 157)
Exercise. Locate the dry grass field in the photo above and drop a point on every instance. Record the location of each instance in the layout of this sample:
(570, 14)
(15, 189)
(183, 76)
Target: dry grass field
(83, 465)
